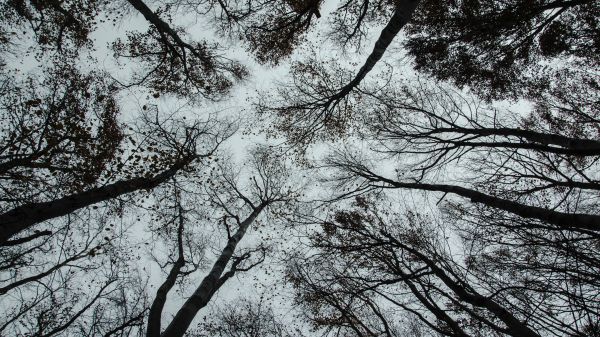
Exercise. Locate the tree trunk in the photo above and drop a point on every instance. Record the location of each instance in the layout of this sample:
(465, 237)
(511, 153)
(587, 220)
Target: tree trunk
(570, 221)
(567, 145)
(402, 14)
(161, 25)
(23, 217)
(155, 314)
(210, 284)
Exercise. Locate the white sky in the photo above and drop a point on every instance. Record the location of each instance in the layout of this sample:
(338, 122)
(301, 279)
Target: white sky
(262, 79)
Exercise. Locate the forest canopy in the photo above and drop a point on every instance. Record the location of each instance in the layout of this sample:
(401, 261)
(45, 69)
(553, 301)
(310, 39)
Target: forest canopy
(279, 168)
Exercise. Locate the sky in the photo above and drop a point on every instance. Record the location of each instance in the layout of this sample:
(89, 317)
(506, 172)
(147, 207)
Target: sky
(238, 105)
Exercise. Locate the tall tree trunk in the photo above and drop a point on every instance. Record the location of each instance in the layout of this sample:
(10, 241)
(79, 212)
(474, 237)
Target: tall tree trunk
(155, 314)
(539, 141)
(162, 26)
(211, 283)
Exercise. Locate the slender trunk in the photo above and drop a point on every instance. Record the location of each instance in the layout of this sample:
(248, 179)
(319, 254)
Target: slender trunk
(210, 284)
(440, 314)
(402, 14)
(155, 314)
(161, 25)
(568, 145)
(23, 217)
(571, 221)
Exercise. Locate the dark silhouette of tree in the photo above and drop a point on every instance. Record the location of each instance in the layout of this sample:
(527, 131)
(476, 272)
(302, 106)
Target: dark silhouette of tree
(508, 248)
(239, 207)
(495, 48)
(517, 189)
(187, 254)
(175, 66)
(274, 32)
(245, 318)
(540, 262)
(318, 104)
(527, 166)
(170, 65)
(64, 26)
(368, 263)
(271, 29)
(63, 129)
(167, 150)
(75, 280)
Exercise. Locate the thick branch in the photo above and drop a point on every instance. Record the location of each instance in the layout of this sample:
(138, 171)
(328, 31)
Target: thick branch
(25, 216)
(571, 221)
(161, 25)
(568, 145)
(27, 238)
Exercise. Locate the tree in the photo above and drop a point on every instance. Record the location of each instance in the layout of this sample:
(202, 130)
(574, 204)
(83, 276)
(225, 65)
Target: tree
(67, 155)
(318, 105)
(498, 48)
(507, 248)
(435, 129)
(62, 31)
(45, 270)
(63, 26)
(238, 206)
(188, 251)
(274, 29)
(245, 318)
(367, 264)
(179, 145)
(62, 142)
(175, 66)
(78, 279)
(528, 219)
(58, 137)
(61, 131)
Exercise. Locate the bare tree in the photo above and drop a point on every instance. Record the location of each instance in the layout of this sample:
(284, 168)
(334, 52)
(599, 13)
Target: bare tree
(370, 263)
(175, 66)
(530, 169)
(76, 280)
(239, 206)
(318, 103)
(245, 318)
(168, 148)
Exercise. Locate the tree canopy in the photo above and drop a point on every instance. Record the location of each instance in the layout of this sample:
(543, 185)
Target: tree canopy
(368, 168)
